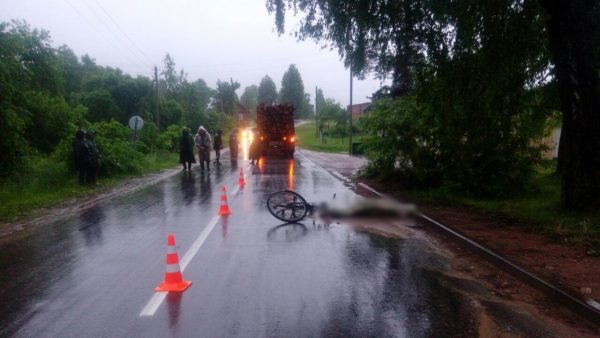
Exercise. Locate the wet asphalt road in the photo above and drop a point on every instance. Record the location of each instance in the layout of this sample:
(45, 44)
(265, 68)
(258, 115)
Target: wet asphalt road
(94, 273)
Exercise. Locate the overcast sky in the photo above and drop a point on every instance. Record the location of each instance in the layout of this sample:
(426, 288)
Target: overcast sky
(212, 40)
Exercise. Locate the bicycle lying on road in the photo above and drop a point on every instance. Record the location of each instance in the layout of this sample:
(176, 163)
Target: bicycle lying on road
(291, 207)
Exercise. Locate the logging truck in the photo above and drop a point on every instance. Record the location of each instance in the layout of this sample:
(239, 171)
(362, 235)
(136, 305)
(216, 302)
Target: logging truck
(275, 124)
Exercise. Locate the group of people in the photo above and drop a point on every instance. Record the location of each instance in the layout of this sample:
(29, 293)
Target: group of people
(204, 144)
(87, 157)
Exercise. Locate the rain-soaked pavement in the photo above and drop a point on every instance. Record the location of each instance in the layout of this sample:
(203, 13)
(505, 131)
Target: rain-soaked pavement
(93, 274)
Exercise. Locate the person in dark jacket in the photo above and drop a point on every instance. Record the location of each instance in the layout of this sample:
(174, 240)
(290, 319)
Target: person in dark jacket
(218, 145)
(93, 160)
(254, 151)
(186, 152)
(81, 153)
(233, 145)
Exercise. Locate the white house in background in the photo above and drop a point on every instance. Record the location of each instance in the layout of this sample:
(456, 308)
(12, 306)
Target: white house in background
(551, 141)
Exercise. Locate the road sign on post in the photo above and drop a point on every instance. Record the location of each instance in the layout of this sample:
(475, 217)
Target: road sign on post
(136, 123)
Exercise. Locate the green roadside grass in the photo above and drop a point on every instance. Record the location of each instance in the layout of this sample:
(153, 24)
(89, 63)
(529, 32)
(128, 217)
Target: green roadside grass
(308, 140)
(46, 183)
(538, 209)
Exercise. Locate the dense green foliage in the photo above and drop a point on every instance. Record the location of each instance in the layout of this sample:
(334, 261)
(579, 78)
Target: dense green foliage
(413, 143)
(333, 119)
(48, 93)
(469, 79)
(333, 127)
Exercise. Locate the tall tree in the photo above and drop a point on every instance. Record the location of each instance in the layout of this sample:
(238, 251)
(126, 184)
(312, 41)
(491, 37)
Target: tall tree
(378, 36)
(31, 83)
(172, 80)
(225, 98)
(194, 98)
(292, 91)
(267, 91)
(71, 70)
(249, 98)
(573, 28)
(309, 108)
(495, 51)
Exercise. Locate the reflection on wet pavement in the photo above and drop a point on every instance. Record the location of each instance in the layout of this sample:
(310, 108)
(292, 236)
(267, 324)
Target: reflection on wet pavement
(90, 275)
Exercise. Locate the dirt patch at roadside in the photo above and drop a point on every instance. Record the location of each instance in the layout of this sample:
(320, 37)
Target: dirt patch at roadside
(564, 265)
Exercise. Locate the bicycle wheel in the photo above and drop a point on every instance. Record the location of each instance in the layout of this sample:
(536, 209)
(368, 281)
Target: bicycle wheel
(287, 206)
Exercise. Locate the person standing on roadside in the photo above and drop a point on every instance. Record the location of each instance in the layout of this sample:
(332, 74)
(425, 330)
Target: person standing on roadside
(203, 143)
(254, 151)
(93, 162)
(186, 152)
(81, 153)
(218, 145)
(233, 145)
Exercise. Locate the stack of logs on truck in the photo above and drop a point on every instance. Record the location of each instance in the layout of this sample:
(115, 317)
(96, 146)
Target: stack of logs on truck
(275, 125)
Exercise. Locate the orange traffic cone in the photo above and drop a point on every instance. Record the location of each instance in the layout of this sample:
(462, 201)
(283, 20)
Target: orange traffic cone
(224, 209)
(173, 277)
(241, 180)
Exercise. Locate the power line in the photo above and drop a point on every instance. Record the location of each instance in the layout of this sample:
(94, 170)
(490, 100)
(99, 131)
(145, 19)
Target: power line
(97, 30)
(117, 37)
(123, 32)
(106, 26)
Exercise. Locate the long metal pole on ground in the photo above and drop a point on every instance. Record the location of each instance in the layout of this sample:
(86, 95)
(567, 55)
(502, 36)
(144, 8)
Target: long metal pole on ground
(350, 117)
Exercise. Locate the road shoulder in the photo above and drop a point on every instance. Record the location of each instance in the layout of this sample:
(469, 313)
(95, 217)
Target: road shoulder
(71, 206)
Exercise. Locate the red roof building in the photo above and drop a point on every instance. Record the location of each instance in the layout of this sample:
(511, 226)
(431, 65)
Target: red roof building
(359, 110)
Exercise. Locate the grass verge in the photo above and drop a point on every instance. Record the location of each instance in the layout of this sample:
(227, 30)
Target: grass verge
(308, 140)
(46, 182)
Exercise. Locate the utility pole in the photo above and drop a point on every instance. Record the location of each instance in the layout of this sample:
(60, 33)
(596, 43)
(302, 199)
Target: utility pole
(350, 120)
(156, 110)
(316, 112)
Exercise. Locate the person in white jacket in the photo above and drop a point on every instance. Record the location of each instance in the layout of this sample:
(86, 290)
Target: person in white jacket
(203, 142)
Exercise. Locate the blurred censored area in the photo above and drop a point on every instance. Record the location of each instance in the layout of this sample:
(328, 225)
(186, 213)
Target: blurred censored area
(368, 208)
